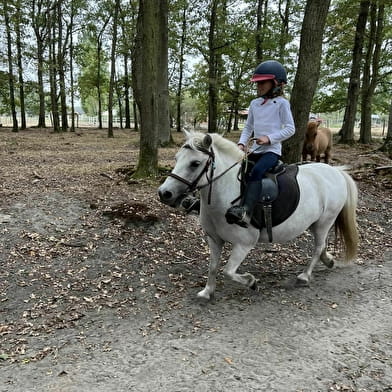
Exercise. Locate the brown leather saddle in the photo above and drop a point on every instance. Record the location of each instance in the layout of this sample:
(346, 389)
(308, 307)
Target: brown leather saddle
(279, 197)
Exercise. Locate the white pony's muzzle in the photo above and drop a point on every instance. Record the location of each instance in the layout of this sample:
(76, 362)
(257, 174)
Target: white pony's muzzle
(170, 196)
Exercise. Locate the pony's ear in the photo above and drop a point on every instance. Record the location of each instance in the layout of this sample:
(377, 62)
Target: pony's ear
(187, 134)
(207, 141)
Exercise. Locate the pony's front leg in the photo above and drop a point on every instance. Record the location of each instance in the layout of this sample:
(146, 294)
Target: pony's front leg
(237, 256)
(215, 254)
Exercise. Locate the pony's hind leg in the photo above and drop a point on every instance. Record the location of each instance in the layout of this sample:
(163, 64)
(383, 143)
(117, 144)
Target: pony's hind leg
(327, 258)
(237, 256)
(320, 234)
(215, 253)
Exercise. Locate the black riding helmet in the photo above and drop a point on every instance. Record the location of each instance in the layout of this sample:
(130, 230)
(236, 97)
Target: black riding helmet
(270, 70)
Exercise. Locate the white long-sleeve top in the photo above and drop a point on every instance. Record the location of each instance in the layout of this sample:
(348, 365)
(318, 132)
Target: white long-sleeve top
(272, 118)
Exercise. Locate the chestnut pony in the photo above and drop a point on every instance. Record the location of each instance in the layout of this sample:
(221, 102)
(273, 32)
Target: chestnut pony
(318, 141)
(210, 163)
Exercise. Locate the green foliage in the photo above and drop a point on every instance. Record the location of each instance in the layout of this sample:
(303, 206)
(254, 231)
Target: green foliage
(4, 94)
(89, 78)
(235, 40)
(336, 62)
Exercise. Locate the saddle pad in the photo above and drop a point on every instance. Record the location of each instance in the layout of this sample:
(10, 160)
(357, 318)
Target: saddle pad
(286, 202)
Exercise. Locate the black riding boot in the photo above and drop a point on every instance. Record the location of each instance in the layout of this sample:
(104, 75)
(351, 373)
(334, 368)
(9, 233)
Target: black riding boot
(242, 214)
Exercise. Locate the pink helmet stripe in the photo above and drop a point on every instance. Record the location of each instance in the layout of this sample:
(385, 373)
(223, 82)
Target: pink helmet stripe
(259, 77)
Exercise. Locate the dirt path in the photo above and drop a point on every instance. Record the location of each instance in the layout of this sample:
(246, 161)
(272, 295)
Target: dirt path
(335, 335)
(98, 284)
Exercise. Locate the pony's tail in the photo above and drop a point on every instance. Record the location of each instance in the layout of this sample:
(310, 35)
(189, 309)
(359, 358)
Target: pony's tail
(346, 222)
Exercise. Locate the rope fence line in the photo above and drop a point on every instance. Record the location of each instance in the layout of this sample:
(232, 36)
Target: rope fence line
(81, 121)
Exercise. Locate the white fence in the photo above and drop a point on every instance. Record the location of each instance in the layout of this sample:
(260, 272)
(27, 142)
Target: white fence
(81, 121)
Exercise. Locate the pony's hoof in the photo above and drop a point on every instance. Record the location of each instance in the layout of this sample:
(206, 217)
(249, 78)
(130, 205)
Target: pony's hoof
(302, 281)
(254, 285)
(204, 296)
(327, 260)
(329, 263)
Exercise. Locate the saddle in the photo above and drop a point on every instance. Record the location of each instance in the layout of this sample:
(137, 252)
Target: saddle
(279, 196)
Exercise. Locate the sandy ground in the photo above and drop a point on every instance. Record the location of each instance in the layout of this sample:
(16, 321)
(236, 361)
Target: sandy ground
(95, 300)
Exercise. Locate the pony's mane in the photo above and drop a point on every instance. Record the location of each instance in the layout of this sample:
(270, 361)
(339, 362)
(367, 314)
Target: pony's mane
(219, 143)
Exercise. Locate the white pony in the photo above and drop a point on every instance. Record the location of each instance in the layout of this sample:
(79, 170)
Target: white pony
(210, 163)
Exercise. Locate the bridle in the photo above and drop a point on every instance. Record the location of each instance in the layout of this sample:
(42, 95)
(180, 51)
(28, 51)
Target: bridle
(210, 164)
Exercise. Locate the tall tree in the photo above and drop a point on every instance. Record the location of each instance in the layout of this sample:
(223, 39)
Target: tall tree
(113, 66)
(347, 130)
(53, 69)
(370, 77)
(62, 43)
(181, 60)
(71, 63)
(307, 75)
(284, 37)
(146, 76)
(126, 42)
(387, 145)
(164, 133)
(216, 43)
(19, 21)
(213, 69)
(39, 12)
(92, 84)
(99, 42)
(11, 84)
(261, 28)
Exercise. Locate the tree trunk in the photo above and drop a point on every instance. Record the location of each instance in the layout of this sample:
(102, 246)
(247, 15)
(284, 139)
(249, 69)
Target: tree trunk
(370, 72)
(181, 70)
(284, 29)
(71, 70)
(127, 102)
(113, 68)
(41, 91)
(261, 23)
(41, 31)
(212, 70)
(135, 115)
(53, 73)
(387, 146)
(162, 86)
(20, 67)
(99, 60)
(307, 75)
(60, 68)
(99, 94)
(119, 101)
(347, 131)
(145, 79)
(10, 67)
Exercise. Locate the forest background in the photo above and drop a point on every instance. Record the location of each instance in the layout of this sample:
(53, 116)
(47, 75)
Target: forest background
(159, 66)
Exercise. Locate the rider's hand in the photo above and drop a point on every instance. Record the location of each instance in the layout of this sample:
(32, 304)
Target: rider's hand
(263, 140)
(241, 147)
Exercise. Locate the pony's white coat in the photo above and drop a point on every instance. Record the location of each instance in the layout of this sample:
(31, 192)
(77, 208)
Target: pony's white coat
(327, 194)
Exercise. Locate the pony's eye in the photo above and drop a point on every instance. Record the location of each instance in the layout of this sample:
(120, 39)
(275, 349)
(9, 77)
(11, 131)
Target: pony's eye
(195, 164)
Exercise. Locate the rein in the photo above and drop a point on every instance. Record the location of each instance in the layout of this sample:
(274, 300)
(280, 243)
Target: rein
(210, 163)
